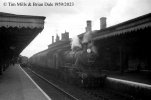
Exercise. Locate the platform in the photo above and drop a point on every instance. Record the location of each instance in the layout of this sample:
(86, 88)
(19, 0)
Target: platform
(15, 84)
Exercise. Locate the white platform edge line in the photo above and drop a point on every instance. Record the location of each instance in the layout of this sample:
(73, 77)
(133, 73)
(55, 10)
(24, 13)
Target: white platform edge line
(36, 84)
(130, 82)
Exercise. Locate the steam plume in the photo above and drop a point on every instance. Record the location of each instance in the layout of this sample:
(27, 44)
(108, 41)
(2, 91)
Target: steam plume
(75, 43)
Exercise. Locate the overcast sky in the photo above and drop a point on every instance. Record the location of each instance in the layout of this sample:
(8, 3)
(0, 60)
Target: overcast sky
(73, 18)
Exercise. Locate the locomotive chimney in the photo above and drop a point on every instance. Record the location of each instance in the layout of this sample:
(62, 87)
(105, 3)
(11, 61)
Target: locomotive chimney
(52, 39)
(102, 23)
(88, 27)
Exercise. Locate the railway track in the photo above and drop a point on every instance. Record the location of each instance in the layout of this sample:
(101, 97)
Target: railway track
(96, 94)
(65, 95)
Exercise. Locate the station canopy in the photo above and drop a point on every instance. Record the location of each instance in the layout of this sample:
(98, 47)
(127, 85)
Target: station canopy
(16, 32)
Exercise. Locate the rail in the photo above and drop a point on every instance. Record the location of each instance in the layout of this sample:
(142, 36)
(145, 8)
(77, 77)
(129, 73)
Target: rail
(55, 86)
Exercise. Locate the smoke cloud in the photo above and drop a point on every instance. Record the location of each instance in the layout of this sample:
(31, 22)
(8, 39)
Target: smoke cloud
(75, 43)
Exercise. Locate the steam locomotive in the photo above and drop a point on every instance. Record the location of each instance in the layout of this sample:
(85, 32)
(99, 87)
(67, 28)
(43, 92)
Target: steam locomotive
(78, 66)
